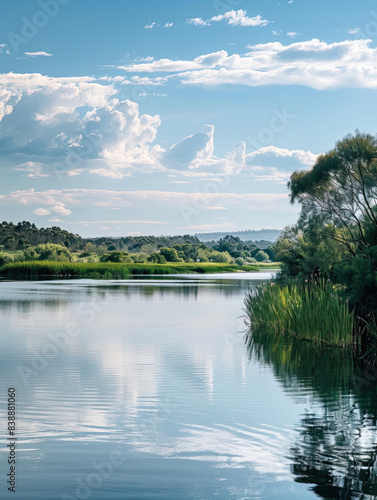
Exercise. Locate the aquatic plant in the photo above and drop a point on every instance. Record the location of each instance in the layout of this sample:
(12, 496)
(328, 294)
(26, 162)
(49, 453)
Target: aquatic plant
(107, 270)
(313, 311)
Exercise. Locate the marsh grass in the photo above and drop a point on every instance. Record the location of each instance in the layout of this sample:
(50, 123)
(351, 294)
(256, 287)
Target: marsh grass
(312, 312)
(107, 270)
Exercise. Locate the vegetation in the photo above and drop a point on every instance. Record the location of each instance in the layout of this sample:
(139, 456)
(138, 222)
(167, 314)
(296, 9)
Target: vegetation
(25, 243)
(335, 238)
(314, 312)
(107, 270)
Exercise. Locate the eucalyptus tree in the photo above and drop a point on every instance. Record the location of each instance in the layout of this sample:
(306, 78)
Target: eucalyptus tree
(340, 192)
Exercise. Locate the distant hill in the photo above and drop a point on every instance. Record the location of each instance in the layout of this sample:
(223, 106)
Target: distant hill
(247, 235)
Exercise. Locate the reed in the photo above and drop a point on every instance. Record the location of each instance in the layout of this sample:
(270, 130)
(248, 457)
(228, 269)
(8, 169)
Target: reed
(106, 270)
(313, 312)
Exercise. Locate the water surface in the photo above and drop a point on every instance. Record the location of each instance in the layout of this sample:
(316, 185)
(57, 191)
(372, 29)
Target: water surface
(152, 394)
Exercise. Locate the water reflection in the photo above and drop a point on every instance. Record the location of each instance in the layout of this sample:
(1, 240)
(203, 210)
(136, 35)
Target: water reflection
(336, 449)
(24, 297)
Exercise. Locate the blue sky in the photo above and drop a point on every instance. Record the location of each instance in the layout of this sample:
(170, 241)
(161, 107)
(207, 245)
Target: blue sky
(168, 117)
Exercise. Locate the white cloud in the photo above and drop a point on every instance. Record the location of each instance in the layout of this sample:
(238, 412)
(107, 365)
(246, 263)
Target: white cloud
(141, 198)
(240, 18)
(315, 64)
(55, 219)
(60, 209)
(68, 127)
(191, 151)
(167, 65)
(292, 34)
(92, 223)
(149, 26)
(198, 21)
(75, 123)
(41, 211)
(38, 54)
(33, 169)
(353, 31)
(168, 25)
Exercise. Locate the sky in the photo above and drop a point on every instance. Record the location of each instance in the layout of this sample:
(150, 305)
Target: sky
(168, 117)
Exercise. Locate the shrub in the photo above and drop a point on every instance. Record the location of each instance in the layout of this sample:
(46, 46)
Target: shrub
(261, 256)
(50, 251)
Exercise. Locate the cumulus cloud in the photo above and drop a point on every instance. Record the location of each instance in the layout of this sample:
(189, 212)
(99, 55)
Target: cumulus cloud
(315, 64)
(149, 26)
(75, 123)
(168, 25)
(191, 151)
(41, 211)
(67, 126)
(240, 18)
(60, 209)
(232, 18)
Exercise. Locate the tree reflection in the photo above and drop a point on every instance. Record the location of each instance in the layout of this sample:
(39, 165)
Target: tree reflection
(336, 449)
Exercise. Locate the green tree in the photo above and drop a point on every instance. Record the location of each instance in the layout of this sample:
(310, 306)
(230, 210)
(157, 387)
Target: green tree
(261, 256)
(170, 255)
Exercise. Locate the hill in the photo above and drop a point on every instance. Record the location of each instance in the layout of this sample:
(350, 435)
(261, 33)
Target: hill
(248, 235)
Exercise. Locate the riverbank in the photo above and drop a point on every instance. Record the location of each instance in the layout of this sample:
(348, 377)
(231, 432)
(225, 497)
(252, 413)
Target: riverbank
(67, 270)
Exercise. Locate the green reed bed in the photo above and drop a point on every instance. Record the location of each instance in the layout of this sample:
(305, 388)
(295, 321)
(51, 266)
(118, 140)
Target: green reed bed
(66, 270)
(313, 312)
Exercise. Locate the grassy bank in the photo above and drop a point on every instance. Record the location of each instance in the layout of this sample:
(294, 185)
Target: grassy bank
(64, 270)
(310, 312)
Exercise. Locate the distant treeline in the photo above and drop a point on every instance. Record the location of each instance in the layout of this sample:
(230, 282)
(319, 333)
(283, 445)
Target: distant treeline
(25, 234)
(26, 237)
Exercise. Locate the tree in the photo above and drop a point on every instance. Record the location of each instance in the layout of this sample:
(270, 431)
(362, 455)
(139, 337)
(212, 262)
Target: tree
(341, 189)
(261, 256)
(170, 255)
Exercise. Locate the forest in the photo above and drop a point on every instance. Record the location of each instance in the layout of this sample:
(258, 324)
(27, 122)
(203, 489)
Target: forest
(25, 242)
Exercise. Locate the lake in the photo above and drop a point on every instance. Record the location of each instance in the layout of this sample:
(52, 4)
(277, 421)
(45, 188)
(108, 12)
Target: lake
(144, 389)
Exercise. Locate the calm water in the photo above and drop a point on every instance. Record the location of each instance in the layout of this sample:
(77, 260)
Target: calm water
(152, 394)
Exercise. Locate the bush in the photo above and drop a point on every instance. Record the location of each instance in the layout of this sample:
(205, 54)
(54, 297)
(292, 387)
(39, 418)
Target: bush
(5, 259)
(170, 254)
(240, 261)
(50, 251)
(115, 257)
(139, 258)
(261, 256)
(157, 258)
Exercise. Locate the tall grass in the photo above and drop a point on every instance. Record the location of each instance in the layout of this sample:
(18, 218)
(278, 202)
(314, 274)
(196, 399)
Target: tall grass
(313, 312)
(107, 270)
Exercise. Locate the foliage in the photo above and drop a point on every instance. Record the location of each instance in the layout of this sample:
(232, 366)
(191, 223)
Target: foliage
(50, 251)
(314, 312)
(261, 256)
(336, 235)
(106, 270)
(115, 257)
(170, 254)
(157, 258)
(23, 234)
